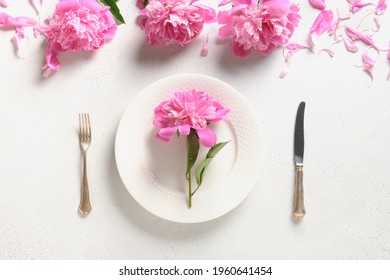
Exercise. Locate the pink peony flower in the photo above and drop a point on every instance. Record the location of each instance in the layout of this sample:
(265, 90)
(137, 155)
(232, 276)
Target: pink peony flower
(83, 25)
(186, 110)
(261, 27)
(167, 22)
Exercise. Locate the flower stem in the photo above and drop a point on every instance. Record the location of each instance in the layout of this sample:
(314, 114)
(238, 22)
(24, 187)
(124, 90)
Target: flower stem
(189, 189)
(192, 154)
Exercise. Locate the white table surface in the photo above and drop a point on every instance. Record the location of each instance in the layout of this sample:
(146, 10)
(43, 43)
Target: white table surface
(347, 155)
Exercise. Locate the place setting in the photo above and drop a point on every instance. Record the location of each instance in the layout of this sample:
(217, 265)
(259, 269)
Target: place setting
(188, 149)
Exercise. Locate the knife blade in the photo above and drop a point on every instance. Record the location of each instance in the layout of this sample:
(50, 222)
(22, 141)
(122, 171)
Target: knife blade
(299, 210)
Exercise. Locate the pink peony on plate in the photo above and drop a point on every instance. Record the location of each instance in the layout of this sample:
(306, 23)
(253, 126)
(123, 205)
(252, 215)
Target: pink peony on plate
(153, 171)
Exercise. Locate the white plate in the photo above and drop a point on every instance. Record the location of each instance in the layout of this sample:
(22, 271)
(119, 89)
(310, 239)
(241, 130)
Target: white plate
(154, 172)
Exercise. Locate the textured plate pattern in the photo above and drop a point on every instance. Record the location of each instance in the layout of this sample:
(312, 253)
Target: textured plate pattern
(149, 168)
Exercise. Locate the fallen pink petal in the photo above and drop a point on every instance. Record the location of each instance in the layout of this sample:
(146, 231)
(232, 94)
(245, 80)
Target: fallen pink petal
(3, 3)
(205, 47)
(377, 24)
(350, 45)
(284, 73)
(37, 5)
(7, 21)
(18, 39)
(318, 4)
(328, 51)
(381, 7)
(292, 49)
(368, 64)
(18, 24)
(356, 5)
(322, 24)
(388, 59)
(354, 35)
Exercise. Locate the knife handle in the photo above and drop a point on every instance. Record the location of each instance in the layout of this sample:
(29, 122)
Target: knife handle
(299, 203)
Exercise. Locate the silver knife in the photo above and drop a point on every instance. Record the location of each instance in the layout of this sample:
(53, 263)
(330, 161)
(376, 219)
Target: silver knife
(299, 145)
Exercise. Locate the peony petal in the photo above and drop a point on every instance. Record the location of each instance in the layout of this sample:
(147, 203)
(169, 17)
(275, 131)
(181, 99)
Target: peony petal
(381, 7)
(208, 14)
(184, 129)
(224, 2)
(328, 51)
(140, 5)
(388, 54)
(205, 47)
(278, 8)
(3, 3)
(322, 23)
(6, 21)
(284, 72)
(17, 40)
(239, 50)
(318, 4)
(368, 63)
(292, 49)
(350, 45)
(52, 64)
(37, 5)
(65, 6)
(94, 5)
(354, 35)
(388, 58)
(224, 31)
(159, 137)
(168, 132)
(252, 3)
(220, 114)
(377, 24)
(356, 5)
(207, 137)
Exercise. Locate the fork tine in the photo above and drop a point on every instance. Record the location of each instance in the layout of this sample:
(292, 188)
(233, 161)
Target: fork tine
(89, 132)
(80, 127)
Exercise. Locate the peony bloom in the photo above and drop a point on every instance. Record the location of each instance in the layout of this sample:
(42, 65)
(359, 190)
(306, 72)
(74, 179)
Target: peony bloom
(168, 22)
(261, 27)
(186, 110)
(83, 25)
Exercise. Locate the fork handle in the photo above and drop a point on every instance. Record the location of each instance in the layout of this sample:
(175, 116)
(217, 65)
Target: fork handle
(85, 204)
(299, 203)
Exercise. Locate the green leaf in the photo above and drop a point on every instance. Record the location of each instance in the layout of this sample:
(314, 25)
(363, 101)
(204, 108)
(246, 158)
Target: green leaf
(145, 2)
(202, 166)
(114, 9)
(192, 149)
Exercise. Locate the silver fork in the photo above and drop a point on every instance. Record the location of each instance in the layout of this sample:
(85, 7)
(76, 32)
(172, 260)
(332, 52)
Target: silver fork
(85, 141)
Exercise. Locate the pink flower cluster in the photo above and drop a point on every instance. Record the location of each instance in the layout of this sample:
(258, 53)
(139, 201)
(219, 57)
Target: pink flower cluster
(260, 27)
(186, 110)
(167, 22)
(83, 25)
